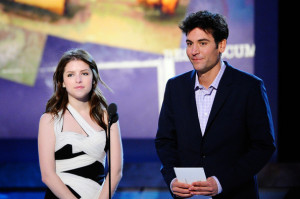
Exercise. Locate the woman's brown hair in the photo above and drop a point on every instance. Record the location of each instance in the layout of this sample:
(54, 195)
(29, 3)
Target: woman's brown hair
(59, 99)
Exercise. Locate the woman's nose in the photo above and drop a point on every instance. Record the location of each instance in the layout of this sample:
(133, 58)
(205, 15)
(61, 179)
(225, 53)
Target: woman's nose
(78, 78)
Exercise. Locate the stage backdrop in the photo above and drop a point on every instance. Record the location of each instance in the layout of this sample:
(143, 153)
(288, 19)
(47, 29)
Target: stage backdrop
(137, 46)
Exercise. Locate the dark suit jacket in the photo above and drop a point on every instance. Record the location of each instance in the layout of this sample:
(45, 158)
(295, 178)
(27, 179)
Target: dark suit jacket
(238, 140)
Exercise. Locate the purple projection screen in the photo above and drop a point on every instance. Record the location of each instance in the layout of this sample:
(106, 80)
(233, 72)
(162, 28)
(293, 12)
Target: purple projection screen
(137, 75)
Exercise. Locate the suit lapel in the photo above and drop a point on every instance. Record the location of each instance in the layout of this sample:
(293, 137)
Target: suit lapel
(192, 104)
(221, 95)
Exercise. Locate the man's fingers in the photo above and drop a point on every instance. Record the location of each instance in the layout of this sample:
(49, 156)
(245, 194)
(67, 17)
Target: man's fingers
(201, 184)
(184, 193)
(180, 184)
(203, 188)
(181, 189)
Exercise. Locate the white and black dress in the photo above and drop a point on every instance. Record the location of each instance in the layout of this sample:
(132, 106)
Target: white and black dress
(80, 159)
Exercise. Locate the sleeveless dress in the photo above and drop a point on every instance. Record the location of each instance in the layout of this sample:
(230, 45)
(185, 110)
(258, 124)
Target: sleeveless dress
(80, 159)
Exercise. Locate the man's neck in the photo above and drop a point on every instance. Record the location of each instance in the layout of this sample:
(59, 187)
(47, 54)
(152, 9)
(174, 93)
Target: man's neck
(206, 79)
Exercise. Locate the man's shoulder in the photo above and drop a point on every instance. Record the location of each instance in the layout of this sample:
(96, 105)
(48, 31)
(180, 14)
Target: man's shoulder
(242, 76)
(184, 76)
(182, 81)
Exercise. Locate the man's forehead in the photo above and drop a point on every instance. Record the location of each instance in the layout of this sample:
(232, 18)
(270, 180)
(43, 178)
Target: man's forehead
(199, 34)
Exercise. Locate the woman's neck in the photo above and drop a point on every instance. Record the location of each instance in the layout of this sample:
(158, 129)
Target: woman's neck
(80, 106)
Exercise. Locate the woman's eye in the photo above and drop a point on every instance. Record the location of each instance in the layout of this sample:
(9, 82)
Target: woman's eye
(85, 74)
(69, 75)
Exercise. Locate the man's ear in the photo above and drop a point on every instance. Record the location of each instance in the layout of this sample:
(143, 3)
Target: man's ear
(222, 45)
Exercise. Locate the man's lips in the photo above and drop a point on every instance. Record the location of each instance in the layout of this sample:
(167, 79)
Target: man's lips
(197, 59)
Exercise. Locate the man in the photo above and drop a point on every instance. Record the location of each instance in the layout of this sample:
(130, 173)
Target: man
(215, 117)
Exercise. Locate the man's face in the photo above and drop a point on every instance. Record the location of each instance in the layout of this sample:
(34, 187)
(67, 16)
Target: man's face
(202, 51)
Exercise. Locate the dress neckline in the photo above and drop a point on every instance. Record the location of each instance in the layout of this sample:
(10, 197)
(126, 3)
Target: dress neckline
(87, 128)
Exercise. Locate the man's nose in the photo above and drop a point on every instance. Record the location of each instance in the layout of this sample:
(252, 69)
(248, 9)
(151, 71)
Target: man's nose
(195, 49)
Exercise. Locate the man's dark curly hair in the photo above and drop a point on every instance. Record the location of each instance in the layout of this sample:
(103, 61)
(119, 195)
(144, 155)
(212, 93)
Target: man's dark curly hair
(214, 24)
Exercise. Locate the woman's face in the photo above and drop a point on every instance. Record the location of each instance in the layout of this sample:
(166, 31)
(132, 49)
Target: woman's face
(78, 80)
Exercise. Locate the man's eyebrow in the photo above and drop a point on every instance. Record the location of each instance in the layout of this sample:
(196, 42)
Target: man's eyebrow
(203, 40)
(198, 40)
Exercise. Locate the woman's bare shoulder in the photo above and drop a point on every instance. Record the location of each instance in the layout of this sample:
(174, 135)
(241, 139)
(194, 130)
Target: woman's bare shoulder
(46, 125)
(47, 118)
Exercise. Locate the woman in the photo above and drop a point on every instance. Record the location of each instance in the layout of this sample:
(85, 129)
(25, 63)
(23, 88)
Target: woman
(72, 133)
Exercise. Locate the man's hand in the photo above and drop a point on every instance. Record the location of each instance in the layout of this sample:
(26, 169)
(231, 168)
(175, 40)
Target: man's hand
(181, 189)
(206, 188)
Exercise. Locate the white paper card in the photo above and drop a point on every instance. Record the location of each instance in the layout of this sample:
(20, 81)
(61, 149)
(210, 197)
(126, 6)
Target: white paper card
(189, 175)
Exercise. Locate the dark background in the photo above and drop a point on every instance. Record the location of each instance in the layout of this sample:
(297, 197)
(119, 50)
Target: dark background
(288, 61)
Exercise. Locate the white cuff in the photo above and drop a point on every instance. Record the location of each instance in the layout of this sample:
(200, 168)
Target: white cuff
(171, 184)
(219, 185)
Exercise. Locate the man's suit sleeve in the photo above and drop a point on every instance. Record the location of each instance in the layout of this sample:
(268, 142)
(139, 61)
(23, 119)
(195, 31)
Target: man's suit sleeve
(165, 141)
(261, 140)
